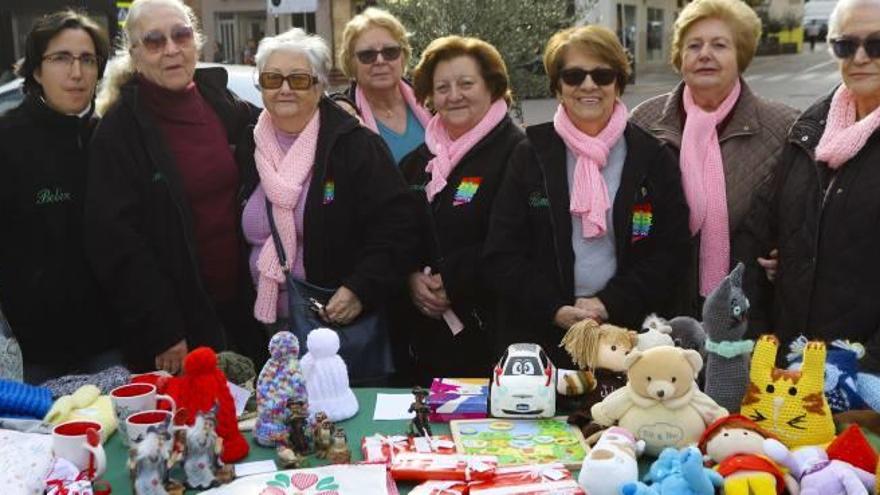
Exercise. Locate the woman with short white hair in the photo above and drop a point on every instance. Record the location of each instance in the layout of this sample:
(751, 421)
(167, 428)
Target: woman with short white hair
(165, 191)
(823, 209)
(331, 213)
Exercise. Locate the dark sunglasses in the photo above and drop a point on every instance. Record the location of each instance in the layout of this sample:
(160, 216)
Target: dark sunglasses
(156, 40)
(297, 80)
(602, 76)
(389, 54)
(847, 46)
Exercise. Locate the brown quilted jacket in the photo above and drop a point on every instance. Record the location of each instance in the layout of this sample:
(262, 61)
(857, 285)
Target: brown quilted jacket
(751, 144)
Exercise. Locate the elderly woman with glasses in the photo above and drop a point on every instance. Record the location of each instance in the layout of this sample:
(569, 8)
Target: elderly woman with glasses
(727, 138)
(47, 289)
(331, 214)
(165, 190)
(374, 54)
(822, 207)
(590, 221)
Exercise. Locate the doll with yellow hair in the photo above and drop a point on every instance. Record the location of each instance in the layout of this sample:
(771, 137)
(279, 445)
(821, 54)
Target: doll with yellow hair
(599, 351)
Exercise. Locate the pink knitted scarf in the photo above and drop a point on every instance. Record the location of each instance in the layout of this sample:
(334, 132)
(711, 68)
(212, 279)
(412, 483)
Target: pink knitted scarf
(589, 194)
(408, 95)
(283, 178)
(843, 136)
(447, 153)
(702, 178)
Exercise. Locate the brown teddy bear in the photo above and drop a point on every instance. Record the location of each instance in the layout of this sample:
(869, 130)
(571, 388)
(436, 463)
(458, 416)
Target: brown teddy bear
(661, 402)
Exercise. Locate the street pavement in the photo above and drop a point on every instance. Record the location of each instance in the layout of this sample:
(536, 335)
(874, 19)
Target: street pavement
(797, 80)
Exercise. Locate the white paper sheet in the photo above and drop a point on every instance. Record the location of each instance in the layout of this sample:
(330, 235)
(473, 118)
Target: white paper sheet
(393, 407)
(240, 395)
(255, 467)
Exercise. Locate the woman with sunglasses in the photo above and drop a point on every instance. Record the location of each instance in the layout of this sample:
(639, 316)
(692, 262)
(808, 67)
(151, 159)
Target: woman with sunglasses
(374, 54)
(590, 221)
(727, 138)
(331, 208)
(823, 204)
(456, 175)
(165, 192)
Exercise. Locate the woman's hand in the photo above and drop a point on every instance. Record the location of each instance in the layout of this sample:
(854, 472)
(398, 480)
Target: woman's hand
(567, 316)
(172, 359)
(428, 295)
(343, 307)
(594, 308)
(770, 264)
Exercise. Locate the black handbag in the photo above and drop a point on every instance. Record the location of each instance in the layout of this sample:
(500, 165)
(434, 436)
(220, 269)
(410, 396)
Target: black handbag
(364, 344)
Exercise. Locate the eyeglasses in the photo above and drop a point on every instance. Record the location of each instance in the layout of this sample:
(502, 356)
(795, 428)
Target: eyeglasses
(847, 46)
(296, 80)
(575, 76)
(66, 59)
(156, 40)
(389, 54)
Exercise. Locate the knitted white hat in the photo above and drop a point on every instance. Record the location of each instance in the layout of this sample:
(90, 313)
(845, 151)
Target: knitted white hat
(327, 377)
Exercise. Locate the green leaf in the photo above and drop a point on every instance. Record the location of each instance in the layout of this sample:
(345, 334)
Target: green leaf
(283, 478)
(327, 483)
(276, 483)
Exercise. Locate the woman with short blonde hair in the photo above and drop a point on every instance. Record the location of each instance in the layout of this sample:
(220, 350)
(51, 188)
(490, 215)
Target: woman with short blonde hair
(727, 138)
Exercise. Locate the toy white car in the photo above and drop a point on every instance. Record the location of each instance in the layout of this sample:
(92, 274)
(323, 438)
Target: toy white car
(523, 384)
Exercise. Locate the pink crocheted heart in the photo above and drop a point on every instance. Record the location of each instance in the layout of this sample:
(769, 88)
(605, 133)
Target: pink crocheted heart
(303, 480)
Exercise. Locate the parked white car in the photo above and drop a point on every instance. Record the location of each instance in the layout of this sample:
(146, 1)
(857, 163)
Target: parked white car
(523, 384)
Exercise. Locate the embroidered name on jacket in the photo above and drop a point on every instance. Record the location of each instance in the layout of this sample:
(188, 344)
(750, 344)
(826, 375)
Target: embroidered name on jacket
(51, 196)
(466, 191)
(643, 218)
(329, 192)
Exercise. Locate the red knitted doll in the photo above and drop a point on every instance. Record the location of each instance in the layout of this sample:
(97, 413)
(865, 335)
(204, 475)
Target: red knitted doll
(198, 389)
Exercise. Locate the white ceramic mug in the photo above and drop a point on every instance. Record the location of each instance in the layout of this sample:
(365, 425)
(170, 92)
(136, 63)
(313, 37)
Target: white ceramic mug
(134, 398)
(71, 440)
(137, 424)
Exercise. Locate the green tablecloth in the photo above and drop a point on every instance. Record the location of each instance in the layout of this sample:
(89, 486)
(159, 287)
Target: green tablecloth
(357, 427)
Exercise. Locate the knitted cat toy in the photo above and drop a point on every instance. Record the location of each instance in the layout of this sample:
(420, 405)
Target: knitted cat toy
(789, 404)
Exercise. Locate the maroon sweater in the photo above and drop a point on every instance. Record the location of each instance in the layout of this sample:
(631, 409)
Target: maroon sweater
(196, 139)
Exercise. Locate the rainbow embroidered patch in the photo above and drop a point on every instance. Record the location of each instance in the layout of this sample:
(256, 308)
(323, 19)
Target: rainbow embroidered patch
(329, 191)
(466, 191)
(642, 220)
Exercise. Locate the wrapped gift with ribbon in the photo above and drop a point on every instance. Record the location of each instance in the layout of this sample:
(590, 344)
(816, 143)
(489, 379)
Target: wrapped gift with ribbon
(540, 479)
(440, 488)
(458, 398)
(416, 466)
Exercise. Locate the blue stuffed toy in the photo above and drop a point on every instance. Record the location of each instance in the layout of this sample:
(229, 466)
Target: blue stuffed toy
(845, 387)
(676, 472)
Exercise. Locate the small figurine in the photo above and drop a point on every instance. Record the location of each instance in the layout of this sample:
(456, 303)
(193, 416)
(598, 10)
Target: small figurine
(297, 426)
(322, 432)
(150, 461)
(338, 453)
(202, 463)
(289, 459)
(419, 426)
(420, 394)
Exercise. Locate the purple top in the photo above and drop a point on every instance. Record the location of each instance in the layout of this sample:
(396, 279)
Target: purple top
(255, 224)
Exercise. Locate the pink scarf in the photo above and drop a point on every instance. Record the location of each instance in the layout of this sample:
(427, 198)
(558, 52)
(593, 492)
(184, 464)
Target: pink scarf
(843, 136)
(283, 178)
(702, 178)
(408, 95)
(447, 153)
(589, 194)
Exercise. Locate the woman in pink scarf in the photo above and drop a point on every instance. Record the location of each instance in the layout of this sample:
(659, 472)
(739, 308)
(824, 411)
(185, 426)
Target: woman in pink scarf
(374, 55)
(591, 221)
(822, 209)
(728, 139)
(455, 175)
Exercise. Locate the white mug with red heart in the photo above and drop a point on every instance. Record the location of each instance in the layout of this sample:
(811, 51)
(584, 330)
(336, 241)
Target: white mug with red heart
(80, 443)
(134, 398)
(137, 424)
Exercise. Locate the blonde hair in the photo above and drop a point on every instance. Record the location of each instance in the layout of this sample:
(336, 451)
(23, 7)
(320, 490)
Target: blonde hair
(582, 340)
(120, 69)
(597, 40)
(371, 18)
(739, 17)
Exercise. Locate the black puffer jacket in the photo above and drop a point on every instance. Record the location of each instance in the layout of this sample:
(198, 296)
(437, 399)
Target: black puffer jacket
(824, 223)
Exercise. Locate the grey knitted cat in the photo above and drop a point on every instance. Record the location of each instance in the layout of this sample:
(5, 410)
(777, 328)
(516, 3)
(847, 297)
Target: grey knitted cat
(11, 365)
(725, 321)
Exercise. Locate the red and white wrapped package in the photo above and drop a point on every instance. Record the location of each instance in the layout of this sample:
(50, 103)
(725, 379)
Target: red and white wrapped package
(415, 466)
(540, 479)
(381, 449)
(440, 488)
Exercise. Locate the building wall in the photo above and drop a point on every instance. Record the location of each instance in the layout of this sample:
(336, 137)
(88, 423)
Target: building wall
(649, 44)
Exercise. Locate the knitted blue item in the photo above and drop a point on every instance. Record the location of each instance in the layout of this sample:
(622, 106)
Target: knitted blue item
(842, 387)
(676, 473)
(23, 400)
(868, 386)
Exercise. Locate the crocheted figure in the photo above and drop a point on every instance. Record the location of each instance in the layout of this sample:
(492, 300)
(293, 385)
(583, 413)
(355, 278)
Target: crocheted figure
(327, 377)
(817, 474)
(681, 331)
(676, 473)
(655, 332)
(202, 387)
(727, 360)
(20, 400)
(841, 373)
(11, 361)
(280, 380)
(789, 404)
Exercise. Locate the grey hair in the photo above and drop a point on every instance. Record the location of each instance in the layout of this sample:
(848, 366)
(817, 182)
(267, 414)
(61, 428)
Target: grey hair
(120, 69)
(840, 10)
(298, 41)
